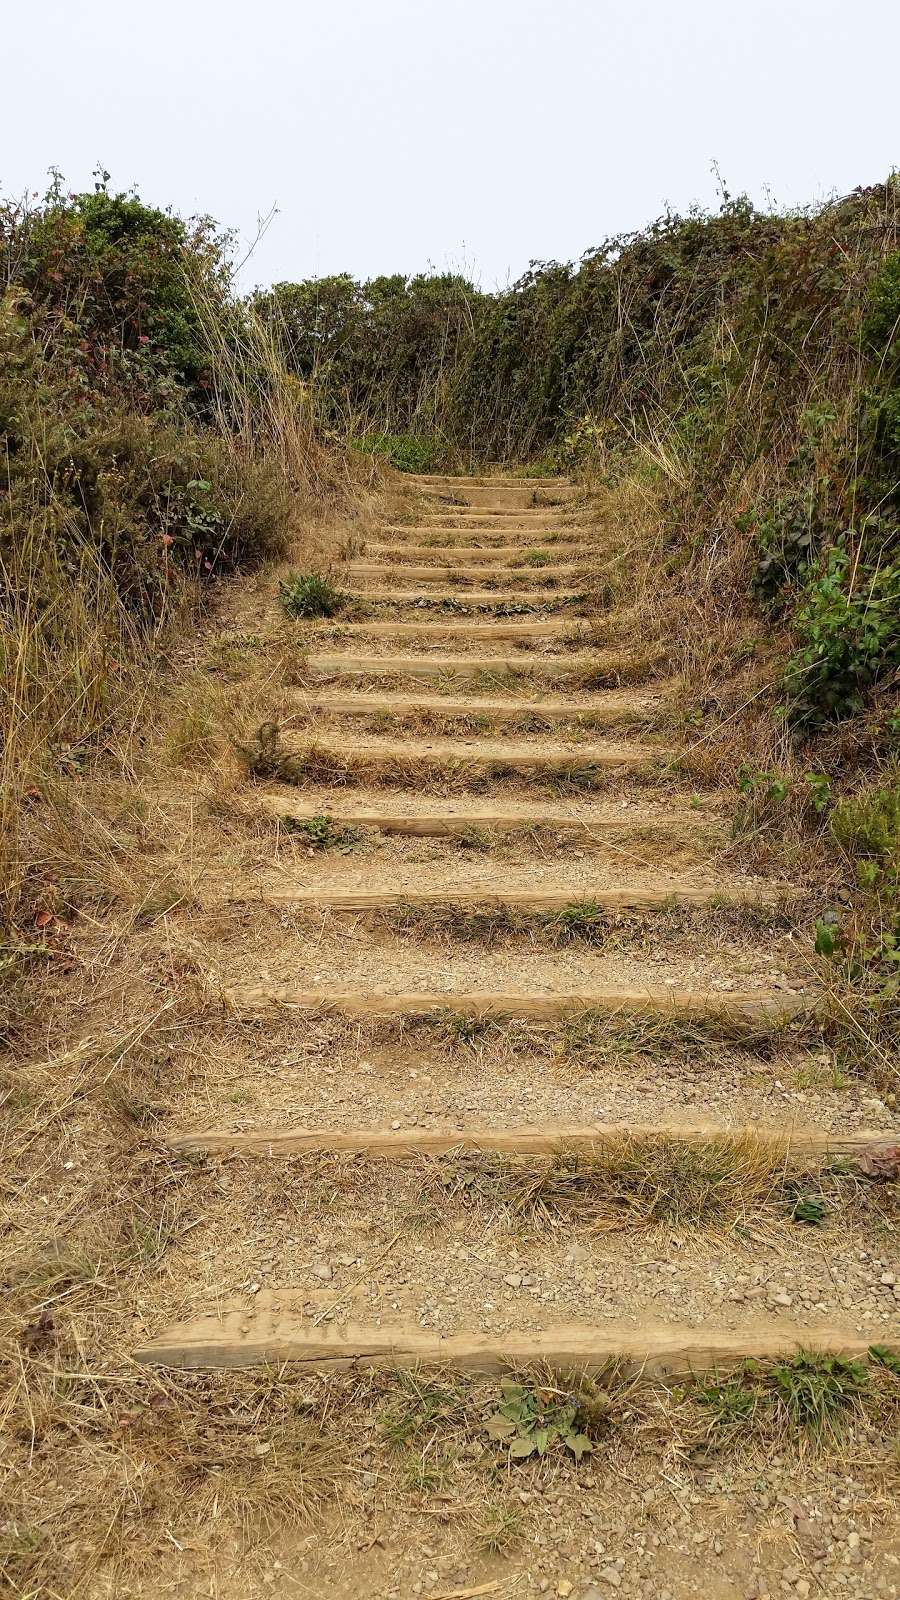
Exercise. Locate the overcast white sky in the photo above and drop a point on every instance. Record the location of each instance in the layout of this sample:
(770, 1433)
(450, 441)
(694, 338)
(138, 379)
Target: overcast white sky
(395, 135)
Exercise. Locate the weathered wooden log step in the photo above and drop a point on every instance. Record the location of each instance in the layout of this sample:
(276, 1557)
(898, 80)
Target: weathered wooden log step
(656, 897)
(677, 825)
(617, 706)
(448, 555)
(274, 1329)
(451, 629)
(784, 1145)
(525, 578)
(751, 1009)
(454, 668)
(482, 756)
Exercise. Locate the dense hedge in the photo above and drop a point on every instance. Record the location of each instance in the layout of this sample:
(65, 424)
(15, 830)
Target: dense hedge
(748, 361)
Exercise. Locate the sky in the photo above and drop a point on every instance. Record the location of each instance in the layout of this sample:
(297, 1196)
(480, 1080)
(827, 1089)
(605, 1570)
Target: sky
(473, 135)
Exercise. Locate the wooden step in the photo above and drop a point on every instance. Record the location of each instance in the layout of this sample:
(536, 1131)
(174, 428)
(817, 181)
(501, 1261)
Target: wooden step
(749, 1009)
(660, 897)
(785, 1144)
(529, 538)
(452, 629)
(274, 1329)
(676, 824)
(481, 757)
(432, 599)
(543, 578)
(617, 706)
(448, 555)
(453, 668)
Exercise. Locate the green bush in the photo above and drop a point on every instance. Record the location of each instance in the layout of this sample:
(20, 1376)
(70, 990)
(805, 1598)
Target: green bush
(849, 631)
(868, 825)
(408, 452)
(308, 594)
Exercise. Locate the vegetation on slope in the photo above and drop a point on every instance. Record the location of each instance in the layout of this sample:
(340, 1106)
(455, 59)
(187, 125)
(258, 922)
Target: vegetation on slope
(152, 442)
(744, 366)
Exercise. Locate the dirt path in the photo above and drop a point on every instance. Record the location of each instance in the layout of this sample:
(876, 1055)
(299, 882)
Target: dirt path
(511, 1064)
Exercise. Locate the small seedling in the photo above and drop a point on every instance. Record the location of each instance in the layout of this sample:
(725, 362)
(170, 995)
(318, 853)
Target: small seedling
(809, 1209)
(538, 558)
(828, 936)
(308, 594)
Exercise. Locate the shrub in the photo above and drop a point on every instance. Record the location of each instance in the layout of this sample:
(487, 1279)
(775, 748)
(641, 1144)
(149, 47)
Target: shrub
(408, 452)
(849, 630)
(308, 594)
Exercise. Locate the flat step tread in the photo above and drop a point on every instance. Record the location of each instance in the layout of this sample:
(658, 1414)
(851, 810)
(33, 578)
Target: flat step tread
(399, 1144)
(348, 662)
(449, 629)
(745, 1006)
(275, 1329)
(529, 576)
(432, 818)
(637, 898)
(451, 553)
(497, 753)
(616, 702)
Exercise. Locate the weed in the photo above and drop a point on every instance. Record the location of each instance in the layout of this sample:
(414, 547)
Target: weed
(418, 1406)
(811, 1394)
(322, 833)
(535, 1419)
(497, 1527)
(309, 594)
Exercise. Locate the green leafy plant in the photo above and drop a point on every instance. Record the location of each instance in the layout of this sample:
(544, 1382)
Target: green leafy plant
(309, 594)
(408, 452)
(828, 937)
(849, 629)
(531, 1421)
(809, 1209)
(811, 1393)
(322, 833)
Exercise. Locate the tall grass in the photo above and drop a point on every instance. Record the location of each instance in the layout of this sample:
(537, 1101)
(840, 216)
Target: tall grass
(138, 466)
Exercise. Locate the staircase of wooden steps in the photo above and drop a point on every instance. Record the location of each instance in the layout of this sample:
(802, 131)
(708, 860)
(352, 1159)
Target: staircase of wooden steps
(521, 807)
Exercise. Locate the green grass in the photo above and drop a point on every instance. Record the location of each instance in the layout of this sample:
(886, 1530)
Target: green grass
(309, 594)
(811, 1395)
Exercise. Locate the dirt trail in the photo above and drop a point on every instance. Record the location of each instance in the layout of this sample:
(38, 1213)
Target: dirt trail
(508, 1065)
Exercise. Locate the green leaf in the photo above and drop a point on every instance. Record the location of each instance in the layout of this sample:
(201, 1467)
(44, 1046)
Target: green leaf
(579, 1444)
(499, 1427)
(522, 1447)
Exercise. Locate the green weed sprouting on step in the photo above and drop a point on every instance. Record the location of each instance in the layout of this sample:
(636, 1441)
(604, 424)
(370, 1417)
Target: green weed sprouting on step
(537, 558)
(418, 1406)
(309, 594)
(808, 1209)
(811, 1394)
(533, 1420)
(322, 833)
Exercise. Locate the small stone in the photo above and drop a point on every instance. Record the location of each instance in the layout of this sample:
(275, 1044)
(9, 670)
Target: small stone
(889, 1279)
(514, 1279)
(321, 1270)
(612, 1576)
(564, 1588)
